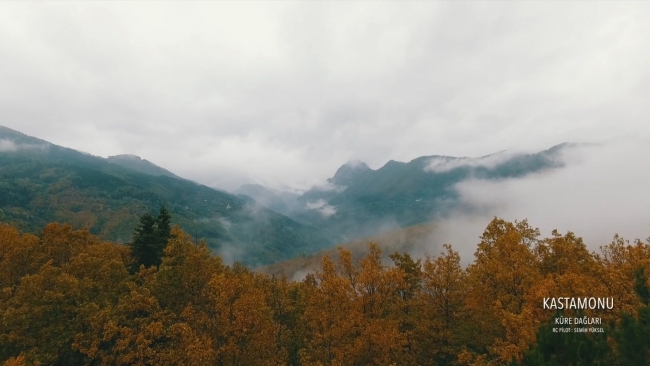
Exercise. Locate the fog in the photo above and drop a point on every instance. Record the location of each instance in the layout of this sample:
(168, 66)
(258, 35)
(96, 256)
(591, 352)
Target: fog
(7, 145)
(443, 163)
(322, 207)
(603, 190)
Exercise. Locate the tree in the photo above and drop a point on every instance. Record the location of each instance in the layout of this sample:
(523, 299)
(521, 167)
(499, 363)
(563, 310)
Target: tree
(412, 272)
(632, 334)
(504, 271)
(331, 317)
(621, 260)
(441, 326)
(163, 225)
(150, 239)
(556, 348)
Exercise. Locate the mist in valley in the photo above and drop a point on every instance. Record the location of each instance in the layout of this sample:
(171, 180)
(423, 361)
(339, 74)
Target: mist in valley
(603, 190)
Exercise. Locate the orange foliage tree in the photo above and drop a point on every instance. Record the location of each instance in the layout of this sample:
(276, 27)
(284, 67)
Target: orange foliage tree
(68, 298)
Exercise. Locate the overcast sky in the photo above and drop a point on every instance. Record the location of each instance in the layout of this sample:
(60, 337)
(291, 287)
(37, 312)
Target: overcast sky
(283, 93)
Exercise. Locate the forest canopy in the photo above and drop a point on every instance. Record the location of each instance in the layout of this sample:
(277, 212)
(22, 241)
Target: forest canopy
(69, 298)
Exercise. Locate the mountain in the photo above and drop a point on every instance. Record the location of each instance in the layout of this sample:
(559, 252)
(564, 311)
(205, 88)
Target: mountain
(348, 173)
(41, 182)
(137, 164)
(362, 202)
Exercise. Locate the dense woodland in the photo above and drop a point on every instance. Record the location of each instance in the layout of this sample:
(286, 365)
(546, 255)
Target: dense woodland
(69, 298)
(62, 185)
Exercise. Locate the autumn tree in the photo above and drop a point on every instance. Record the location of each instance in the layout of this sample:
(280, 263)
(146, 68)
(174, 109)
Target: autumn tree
(20, 255)
(412, 273)
(69, 298)
(380, 298)
(287, 300)
(238, 323)
(440, 316)
(621, 260)
(49, 308)
(331, 316)
(504, 270)
(184, 272)
(567, 269)
(409, 317)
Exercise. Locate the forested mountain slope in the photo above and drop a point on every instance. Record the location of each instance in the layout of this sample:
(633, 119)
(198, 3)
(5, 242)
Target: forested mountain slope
(41, 182)
(362, 202)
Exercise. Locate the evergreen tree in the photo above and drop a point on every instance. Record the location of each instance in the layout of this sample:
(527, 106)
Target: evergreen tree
(557, 348)
(150, 239)
(163, 224)
(633, 333)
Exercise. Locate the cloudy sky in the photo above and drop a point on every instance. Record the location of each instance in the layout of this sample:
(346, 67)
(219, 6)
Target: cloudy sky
(283, 93)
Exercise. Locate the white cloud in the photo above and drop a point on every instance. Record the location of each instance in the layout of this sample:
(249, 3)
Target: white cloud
(328, 187)
(322, 207)
(7, 145)
(354, 163)
(441, 164)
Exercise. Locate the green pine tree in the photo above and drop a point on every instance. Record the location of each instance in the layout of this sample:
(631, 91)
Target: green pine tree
(632, 334)
(554, 348)
(163, 228)
(150, 239)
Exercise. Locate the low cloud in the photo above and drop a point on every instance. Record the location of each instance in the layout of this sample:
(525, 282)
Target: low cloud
(322, 207)
(603, 190)
(7, 145)
(441, 164)
(230, 253)
(328, 187)
(225, 223)
(355, 163)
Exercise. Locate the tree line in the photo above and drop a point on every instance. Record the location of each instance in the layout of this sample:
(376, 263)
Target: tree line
(69, 298)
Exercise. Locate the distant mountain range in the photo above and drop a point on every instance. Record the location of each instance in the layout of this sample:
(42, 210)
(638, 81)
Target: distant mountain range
(358, 201)
(41, 182)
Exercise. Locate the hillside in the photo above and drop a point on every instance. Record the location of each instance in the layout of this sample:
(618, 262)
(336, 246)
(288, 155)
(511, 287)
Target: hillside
(42, 182)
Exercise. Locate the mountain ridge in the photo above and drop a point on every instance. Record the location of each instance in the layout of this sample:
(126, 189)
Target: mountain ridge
(63, 185)
(43, 181)
(402, 194)
(140, 165)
